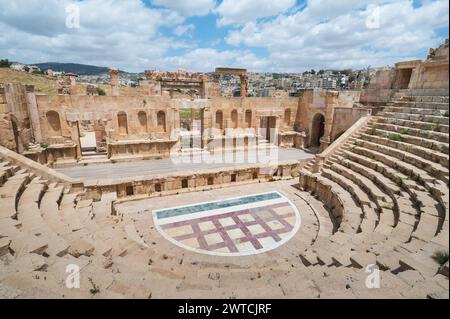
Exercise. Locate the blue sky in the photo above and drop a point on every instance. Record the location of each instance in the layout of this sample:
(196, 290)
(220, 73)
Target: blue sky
(199, 35)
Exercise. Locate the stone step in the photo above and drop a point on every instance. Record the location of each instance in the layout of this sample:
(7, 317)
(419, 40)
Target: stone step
(33, 223)
(410, 136)
(437, 121)
(396, 141)
(414, 165)
(424, 126)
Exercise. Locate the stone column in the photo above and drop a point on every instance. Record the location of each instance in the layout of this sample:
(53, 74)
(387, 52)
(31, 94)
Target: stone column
(75, 137)
(33, 113)
(73, 85)
(330, 102)
(244, 85)
(114, 81)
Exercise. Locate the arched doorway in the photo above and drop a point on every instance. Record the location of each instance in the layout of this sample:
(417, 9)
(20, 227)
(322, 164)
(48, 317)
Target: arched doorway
(317, 129)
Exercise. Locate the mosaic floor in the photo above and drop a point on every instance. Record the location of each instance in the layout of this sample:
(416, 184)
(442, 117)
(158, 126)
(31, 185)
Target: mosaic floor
(232, 227)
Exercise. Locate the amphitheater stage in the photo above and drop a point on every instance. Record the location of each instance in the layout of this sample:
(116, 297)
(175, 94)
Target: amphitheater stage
(164, 166)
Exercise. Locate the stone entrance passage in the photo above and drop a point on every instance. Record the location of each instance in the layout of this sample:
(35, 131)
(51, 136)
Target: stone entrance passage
(268, 125)
(191, 128)
(233, 227)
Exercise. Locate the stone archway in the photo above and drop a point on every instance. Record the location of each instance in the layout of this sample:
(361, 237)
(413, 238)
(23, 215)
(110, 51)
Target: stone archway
(317, 129)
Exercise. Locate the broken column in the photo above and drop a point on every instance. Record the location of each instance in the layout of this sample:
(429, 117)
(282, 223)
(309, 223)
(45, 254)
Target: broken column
(114, 81)
(244, 85)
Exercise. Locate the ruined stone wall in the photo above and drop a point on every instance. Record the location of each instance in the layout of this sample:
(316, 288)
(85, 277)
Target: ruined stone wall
(344, 118)
(380, 89)
(16, 125)
(6, 130)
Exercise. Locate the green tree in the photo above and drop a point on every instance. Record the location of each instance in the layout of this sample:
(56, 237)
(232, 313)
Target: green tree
(5, 63)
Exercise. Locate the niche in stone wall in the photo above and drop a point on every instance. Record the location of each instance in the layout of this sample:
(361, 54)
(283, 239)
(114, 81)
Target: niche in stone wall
(161, 121)
(142, 118)
(248, 118)
(219, 120)
(234, 119)
(287, 117)
(122, 123)
(54, 124)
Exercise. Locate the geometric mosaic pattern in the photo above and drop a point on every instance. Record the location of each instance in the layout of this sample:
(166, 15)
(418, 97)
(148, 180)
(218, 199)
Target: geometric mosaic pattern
(241, 226)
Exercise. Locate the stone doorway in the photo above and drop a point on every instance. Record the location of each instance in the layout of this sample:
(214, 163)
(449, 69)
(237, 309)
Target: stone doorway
(92, 137)
(191, 128)
(268, 126)
(317, 129)
(403, 78)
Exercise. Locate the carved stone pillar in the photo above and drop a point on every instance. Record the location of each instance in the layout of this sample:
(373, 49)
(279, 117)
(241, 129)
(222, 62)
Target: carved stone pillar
(114, 81)
(244, 85)
(75, 137)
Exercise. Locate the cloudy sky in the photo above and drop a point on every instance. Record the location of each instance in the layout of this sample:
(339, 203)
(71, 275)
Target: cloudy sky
(198, 35)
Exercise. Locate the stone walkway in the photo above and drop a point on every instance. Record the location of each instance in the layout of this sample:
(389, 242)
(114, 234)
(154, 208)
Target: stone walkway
(162, 166)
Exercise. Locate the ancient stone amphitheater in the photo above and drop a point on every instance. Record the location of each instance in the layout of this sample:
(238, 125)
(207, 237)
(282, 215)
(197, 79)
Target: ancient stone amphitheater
(377, 198)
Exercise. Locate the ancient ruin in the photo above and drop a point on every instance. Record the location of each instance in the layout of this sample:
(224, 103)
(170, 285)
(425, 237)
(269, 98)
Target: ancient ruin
(153, 195)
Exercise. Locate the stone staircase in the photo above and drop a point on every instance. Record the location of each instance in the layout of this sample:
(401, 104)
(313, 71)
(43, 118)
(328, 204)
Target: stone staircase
(387, 187)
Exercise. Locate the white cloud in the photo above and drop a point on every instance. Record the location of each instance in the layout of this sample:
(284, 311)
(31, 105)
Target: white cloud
(112, 32)
(133, 37)
(188, 8)
(341, 37)
(203, 59)
(243, 11)
(183, 29)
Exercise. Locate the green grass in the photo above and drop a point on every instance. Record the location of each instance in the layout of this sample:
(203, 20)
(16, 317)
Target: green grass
(372, 131)
(437, 125)
(395, 137)
(404, 131)
(441, 257)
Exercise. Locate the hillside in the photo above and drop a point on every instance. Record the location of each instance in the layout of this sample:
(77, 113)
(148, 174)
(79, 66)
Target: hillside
(46, 86)
(41, 83)
(81, 69)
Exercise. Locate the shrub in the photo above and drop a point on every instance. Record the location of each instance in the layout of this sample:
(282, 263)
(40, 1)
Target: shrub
(441, 257)
(5, 63)
(373, 131)
(44, 145)
(101, 92)
(95, 289)
(404, 131)
(395, 137)
(437, 126)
